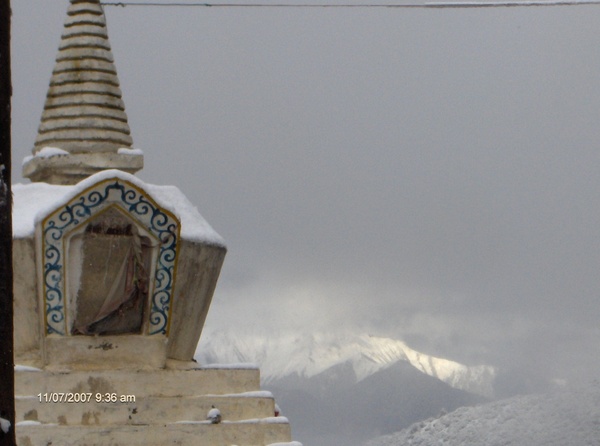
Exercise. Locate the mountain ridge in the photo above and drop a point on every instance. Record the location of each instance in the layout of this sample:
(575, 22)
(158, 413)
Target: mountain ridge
(564, 415)
(332, 409)
(308, 355)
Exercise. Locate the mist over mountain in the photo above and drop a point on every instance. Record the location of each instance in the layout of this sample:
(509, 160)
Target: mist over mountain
(342, 390)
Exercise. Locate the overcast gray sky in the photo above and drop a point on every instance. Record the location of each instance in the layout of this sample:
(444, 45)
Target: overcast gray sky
(424, 174)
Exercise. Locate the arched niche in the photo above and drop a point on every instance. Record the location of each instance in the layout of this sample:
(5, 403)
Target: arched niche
(111, 260)
(91, 245)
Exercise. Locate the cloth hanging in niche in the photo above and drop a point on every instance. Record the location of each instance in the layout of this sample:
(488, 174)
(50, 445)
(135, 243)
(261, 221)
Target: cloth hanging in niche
(123, 307)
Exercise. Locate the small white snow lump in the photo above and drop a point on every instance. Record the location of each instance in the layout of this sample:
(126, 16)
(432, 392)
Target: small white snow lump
(214, 415)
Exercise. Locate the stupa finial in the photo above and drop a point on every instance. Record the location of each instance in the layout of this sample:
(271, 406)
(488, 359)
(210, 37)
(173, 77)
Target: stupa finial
(84, 114)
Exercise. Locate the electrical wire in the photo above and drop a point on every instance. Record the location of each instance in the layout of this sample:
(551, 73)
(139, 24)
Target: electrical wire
(441, 4)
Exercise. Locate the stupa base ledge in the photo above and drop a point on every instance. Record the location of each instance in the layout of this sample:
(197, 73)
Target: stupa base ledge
(244, 433)
(163, 382)
(105, 352)
(145, 407)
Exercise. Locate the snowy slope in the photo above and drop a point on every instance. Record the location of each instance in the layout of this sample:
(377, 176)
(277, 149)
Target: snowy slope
(311, 355)
(566, 417)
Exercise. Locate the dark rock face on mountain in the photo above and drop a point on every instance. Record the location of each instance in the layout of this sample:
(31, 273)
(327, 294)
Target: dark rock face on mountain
(332, 409)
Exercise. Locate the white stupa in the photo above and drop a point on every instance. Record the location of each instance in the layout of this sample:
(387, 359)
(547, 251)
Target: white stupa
(113, 281)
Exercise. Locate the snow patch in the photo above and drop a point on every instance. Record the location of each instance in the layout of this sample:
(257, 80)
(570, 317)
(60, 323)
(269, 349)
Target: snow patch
(268, 420)
(46, 152)
(293, 443)
(127, 151)
(4, 425)
(567, 416)
(253, 394)
(28, 423)
(33, 202)
(26, 368)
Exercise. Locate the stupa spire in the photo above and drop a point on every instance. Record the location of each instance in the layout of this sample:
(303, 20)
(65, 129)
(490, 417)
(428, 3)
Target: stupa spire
(84, 114)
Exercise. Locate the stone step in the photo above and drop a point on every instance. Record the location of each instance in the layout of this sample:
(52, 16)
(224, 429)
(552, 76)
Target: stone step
(140, 410)
(259, 432)
(141, 383)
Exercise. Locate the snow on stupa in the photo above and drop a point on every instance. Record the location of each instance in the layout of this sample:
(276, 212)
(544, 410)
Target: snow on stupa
(113, 281)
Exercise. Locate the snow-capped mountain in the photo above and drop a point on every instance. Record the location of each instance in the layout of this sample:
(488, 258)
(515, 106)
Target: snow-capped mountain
(312, 354)
(569, 416)
(342, 390)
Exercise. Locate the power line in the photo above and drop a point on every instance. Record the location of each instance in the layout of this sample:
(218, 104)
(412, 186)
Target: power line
(260, 5)
(441, 4)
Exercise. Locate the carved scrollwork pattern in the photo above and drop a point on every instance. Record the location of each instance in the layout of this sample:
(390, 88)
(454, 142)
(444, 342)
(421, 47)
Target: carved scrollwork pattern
(157, 221)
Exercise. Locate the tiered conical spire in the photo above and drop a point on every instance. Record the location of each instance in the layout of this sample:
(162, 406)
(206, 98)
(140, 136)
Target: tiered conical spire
(84, 113)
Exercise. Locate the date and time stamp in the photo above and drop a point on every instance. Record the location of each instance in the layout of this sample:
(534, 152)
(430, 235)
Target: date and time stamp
(84, 397)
